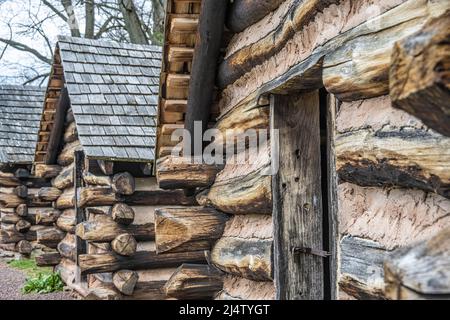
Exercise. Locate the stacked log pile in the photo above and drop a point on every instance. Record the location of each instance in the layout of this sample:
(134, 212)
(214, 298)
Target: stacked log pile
(25, 212)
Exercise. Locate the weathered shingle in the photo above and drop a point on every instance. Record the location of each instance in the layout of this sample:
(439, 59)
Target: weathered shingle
(20, 110)
(113, 95)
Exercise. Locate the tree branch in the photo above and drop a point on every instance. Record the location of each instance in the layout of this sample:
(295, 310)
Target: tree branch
(58, 13)
(24, 47)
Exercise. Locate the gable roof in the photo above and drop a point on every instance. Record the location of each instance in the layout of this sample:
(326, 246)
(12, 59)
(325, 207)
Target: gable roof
(20, 110)
(113, 89)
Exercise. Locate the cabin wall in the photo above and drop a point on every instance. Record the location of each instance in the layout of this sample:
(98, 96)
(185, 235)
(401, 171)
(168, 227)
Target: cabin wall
(392, 169)
(25, 209)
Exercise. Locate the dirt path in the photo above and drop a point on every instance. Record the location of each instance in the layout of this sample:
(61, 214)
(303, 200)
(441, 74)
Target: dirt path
(12, 281)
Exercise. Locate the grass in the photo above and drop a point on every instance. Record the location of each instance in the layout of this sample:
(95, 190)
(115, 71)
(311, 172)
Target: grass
(39, 279)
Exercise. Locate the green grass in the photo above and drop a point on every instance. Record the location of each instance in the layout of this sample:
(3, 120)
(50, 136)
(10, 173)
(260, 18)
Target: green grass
(39, 279)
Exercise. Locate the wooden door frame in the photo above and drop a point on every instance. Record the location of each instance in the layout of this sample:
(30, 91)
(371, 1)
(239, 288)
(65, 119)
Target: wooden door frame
(298, 246)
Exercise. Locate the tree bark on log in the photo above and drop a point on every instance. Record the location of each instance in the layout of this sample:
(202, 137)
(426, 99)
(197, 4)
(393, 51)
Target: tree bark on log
(418, 81)
(47, 217)
(50, 237)
(10, 236)
(125, 281)
(66, 156)
(49, 194)
(244, 13)
(180, 173)
(104, 229)
(10, 218)
(66, 200)
(142, 260)
(247, 258)
(122, 213)
(64, 180)
(48, 259)
(67, 221)
(421, 271)
(187, 229)
(67, 247)
(194, 282)
(10, 200)
(47, 170)
(124, 244)
(159, 198)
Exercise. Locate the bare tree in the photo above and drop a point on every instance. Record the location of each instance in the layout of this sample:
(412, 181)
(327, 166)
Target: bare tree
(135, 21)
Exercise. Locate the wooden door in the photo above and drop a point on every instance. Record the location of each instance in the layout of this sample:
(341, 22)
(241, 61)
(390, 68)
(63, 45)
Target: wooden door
(300, 224)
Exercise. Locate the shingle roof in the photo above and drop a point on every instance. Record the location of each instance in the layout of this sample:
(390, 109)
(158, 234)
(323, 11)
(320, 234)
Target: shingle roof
(113, 89)
(20, 111)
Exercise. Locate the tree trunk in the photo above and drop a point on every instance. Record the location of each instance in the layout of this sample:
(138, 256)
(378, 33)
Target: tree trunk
(90, 21)
(133, 24)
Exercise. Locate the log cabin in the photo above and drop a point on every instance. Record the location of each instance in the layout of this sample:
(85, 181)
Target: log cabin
(20, 200)
(96, 142)
(355, 180)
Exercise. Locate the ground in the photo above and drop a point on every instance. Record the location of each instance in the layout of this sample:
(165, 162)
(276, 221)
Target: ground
(12, 281)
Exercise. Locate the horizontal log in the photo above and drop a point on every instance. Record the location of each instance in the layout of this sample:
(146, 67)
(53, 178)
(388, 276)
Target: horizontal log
(408, 158)
(159, 198)
(23, 226)
(180, 173)
(10, 218)
(247, 258)
(48, 259)
(361, 274)
(47, 170)
(9, 247)
(67, 221)
(10, 200)
(67, 154)
(122, 213)
(49, 194)
(125, 281)
(124, 244)
(142, 260)
(67, 247)
(97, 196)
(194, 282)
(243, 188)
(47, 217)
(70, 133)
(24, 247)
(10, 236)
(244, 13)
(104, 229)
(420, 271)
(64, 179)
(418, 82)
(393, 217)
(66, 200)
(8, 180)
(50, 236)
(237, 288)
(95, 180)
(187, 229)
